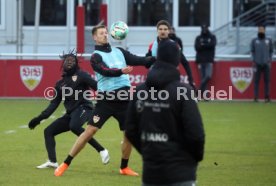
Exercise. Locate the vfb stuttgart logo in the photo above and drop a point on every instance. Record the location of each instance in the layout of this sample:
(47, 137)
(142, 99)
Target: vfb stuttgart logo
(241, 77)
(31, 76)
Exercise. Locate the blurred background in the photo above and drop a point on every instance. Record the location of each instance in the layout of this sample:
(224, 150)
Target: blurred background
(33, 33)
(50, 26)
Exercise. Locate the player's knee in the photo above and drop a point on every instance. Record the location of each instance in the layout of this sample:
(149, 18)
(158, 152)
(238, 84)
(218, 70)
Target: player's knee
(76, 130)
(90, 130)
(48, 132)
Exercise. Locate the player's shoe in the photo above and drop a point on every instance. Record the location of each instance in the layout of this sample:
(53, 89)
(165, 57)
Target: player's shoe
(128, 172)
(105, 156)
(61, 169)
(48, 164)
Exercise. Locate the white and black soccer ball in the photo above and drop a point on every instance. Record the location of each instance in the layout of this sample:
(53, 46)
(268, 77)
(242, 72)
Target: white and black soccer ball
(119, 30)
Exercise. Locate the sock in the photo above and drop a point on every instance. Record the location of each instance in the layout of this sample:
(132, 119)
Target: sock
(124, 163)
(96, 145)
(53, 160)
(100, 149)
(68, 160)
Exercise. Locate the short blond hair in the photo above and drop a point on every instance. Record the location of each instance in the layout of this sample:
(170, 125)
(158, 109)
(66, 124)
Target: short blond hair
(96, 28)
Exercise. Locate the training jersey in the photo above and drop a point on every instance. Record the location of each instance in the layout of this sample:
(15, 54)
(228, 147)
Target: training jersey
(154, 48)
(113, 59)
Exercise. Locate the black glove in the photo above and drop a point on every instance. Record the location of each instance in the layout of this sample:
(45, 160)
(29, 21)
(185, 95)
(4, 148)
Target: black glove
(192, 84)
(150, 60)
(34, 122)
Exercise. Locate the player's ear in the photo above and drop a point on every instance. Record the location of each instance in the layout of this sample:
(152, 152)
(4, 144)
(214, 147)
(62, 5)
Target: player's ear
(94, 37)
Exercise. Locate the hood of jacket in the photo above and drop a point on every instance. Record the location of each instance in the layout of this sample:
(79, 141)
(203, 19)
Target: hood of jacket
(161, 74)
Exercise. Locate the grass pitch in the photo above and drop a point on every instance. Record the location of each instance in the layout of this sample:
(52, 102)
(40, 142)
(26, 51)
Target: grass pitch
(240, 148)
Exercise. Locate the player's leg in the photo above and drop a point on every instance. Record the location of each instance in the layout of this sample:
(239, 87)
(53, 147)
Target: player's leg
(94, 143)
(207, 69)
(78, 118)
(126, 147)
(58, 126)
(256, 82)
(267, 82)
(201, 69)
(89, 132)
(77, 147)
(96, 121)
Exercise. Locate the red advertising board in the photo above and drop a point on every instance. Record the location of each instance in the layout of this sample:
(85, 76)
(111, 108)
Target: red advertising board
(2, 77)
(30, 78)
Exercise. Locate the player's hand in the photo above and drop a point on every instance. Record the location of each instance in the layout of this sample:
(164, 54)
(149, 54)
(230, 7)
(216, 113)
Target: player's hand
(193, 85)
(150, 61)
(34, 122)
(127, 69)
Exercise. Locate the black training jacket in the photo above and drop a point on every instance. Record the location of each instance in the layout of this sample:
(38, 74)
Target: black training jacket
(79, 83)
(168, 133)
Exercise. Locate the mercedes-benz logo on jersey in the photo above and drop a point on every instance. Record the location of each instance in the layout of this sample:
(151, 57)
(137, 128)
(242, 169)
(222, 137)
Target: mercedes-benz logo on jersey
(139, 106)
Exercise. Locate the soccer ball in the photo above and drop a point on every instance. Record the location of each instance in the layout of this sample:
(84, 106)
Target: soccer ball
(119, 30)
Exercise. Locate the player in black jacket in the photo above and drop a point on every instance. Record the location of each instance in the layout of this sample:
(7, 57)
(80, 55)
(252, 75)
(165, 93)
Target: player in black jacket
(78, 109)
(205, 45)
(163, 30)
(168, 132)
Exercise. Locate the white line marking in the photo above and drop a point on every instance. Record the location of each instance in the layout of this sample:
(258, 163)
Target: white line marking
(23, 126)
(53, 117)
(10, 131)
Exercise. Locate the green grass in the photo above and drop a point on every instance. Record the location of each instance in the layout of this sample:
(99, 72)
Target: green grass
(240, 148)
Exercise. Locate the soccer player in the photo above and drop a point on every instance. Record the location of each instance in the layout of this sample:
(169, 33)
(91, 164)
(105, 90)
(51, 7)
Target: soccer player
(111, 67)
(78, 109)
(168, 133)
(163, 31)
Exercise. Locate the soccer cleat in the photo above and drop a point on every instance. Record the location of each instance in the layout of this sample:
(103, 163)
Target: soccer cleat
(48, 164)
(128, 172)
(105, 156)
(61, 169)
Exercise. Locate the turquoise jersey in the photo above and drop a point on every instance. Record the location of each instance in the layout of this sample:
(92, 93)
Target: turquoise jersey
(154, 48)
(113, 59)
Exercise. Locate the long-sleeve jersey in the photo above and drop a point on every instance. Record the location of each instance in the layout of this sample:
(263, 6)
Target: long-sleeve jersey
(100, 66)
(105, 68)
(152, 51)
(71, 89)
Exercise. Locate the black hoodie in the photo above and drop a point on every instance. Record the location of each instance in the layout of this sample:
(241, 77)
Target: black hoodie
(205, 45)
(162, 74)
(168, 132)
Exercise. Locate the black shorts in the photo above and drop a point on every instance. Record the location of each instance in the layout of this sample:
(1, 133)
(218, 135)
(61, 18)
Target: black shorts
(105, 109)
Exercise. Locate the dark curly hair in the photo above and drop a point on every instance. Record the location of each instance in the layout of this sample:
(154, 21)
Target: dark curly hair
(71, 53)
